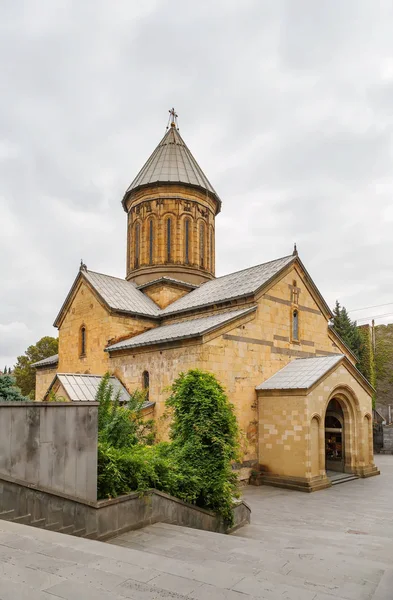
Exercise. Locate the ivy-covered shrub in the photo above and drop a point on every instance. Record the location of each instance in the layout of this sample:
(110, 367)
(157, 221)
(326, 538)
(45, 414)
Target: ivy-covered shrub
(195, 466)
(205, 439)
(122, 426)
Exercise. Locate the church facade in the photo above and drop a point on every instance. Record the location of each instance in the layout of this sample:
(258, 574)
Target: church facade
(304, 410)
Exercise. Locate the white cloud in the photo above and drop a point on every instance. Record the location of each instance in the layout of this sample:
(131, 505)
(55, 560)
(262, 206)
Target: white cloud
(287, 107)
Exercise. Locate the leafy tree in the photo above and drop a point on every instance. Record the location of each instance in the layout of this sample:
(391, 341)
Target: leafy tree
(205, 439)
(24, 373)
(384, 363)
(8, 390)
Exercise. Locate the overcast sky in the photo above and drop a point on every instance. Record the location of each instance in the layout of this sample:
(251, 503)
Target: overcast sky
(286, 105)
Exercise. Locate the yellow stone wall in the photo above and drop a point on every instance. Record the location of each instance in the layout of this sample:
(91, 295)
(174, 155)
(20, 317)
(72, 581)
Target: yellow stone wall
(241, 357)
(179, 203)
(43, 379)
(164, 294)
(291, 440)
(101, 326)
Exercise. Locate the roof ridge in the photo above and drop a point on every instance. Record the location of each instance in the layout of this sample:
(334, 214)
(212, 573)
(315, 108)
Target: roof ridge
(253, 267)
(111, 276)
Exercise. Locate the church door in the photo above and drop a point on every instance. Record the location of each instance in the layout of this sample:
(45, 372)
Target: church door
(334, 437)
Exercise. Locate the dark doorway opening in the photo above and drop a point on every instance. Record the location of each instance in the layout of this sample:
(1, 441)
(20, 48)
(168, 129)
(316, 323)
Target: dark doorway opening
(334, 437)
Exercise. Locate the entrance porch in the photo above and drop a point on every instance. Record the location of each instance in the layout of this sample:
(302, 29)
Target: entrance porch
(315, 421)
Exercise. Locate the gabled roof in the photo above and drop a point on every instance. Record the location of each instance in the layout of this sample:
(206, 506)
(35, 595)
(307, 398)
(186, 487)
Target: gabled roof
(169, 281)
(172, 162)
(84, 387)
(301, 373)
(180, 331)
(118, 295)
(229, 287)
(47, 362)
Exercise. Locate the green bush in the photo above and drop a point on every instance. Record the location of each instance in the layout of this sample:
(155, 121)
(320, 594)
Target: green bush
(196, 466)
(122, 426)
(9, 392)
(205, 439)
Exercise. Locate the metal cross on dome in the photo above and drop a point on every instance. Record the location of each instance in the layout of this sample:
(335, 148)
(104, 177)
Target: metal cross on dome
(173, 119)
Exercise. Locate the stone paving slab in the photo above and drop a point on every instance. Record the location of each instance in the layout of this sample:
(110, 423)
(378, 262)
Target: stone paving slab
(336, 544)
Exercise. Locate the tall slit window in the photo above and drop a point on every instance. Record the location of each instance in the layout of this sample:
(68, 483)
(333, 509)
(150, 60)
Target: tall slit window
(137, 244)
(295, 325)
(187, 241)
(202, 245)
(211, 249)
(146, 383)
(168, 239)
(82, 341)
(151, 241)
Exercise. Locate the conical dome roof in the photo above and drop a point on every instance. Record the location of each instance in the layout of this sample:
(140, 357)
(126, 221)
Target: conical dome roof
(172, 162)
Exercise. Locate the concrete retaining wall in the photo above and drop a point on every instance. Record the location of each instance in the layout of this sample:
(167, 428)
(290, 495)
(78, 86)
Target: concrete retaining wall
(106, 518)
(387, 440)
(51, 444)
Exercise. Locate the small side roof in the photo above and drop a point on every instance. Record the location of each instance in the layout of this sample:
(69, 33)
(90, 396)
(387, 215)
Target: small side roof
(83, 387)
(301, 373)
(180, 331)
(168, 280)
(118, 294)
(47, 362)
(229, 287)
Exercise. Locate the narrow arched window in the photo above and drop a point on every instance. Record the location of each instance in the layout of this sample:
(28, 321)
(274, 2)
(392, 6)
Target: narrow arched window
(82, 341)
(202, 245)
(151, 241)
(168, 240)
(187, 241)
(295, 325)
(146, 383)
(137, 244)
(211, 248)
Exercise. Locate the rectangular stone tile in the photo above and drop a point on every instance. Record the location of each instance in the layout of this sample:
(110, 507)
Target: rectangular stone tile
(42, 562)
(210, 592)
(118, 567)
(71, 554)
(174, 583)
(145, 591)
(24, 575)
(74, 590)
(94, 578)
(272, 591)
(9, 590)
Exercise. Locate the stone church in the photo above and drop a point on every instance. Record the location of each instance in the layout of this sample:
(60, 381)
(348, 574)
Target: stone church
(304, 409)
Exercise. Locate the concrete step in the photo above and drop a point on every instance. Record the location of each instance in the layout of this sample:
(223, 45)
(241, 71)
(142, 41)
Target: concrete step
(69, 529)
(79, 532)
(7, 515)
(40, 523)
(23, 519)
(344, 479)
(91, 536)
(53, 526)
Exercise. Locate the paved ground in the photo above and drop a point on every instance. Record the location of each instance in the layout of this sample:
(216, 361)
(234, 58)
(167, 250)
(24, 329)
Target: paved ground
(330, 545)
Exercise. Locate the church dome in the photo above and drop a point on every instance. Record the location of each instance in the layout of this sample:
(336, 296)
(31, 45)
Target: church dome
(172, 162)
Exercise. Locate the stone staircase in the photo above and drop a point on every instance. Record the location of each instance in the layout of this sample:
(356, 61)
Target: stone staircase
(336, 478)
(27, 519)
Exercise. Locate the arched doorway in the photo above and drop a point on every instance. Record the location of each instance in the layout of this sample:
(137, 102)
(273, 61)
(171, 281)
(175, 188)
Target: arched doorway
(334, 437)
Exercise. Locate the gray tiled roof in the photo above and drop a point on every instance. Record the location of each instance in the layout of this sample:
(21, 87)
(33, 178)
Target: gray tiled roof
(229, 287)
(83, 388)
(122, 295)
(169, 280)
(47, 362)
(301, 373)
(179, 331)
(172, 161)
